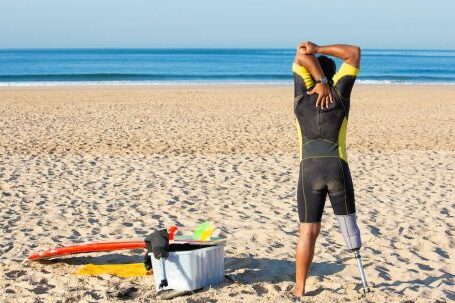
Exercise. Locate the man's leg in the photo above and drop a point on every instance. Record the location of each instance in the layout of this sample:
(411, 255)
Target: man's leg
(304, 254)
(311, 194)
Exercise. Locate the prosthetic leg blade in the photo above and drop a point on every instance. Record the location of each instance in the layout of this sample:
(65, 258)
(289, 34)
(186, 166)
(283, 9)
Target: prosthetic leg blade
(351, 235)
(358, 258)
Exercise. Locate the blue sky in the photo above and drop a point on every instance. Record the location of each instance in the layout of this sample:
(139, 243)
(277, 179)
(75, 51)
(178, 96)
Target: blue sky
(229, 23)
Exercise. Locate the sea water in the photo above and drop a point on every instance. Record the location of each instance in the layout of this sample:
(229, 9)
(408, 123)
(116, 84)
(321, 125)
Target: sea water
(207, 66)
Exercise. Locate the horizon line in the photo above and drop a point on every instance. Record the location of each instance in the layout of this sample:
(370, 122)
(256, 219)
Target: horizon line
(199, 48)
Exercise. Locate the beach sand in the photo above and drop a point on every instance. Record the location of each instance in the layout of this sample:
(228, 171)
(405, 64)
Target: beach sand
(82, 164)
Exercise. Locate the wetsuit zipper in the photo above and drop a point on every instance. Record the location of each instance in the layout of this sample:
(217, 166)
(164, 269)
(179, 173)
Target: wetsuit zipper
(319, 124)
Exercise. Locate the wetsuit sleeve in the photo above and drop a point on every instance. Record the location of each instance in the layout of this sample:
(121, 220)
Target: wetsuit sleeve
(302, 79)
(344, 79)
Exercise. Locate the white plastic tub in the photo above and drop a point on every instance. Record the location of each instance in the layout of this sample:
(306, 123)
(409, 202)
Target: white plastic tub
(191, 269)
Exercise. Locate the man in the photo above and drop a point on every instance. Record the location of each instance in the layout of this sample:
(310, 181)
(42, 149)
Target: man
(322, 101)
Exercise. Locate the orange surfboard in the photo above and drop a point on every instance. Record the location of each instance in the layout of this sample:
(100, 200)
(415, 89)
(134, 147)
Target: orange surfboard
(111, 246)
(87, 248)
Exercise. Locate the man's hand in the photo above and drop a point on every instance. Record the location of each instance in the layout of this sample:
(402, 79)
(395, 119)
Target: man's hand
(324, 95)
(308, 48)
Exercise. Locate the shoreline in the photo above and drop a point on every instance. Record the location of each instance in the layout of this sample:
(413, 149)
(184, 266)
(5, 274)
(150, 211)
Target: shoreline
(208, 86)
(198, 85)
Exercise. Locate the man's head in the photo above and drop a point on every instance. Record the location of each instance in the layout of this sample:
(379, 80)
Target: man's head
(328, 66)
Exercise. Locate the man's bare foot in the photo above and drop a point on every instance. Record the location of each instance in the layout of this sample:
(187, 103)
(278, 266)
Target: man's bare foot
(299, 291)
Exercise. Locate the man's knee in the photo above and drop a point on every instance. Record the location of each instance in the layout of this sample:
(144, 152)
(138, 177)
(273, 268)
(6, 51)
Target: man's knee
(310, 230)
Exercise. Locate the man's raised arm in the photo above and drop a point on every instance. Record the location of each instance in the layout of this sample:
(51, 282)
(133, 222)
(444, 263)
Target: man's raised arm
(311, 64)
(348, 53)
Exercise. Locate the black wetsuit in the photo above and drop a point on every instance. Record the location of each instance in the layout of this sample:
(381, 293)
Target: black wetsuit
(322, 134)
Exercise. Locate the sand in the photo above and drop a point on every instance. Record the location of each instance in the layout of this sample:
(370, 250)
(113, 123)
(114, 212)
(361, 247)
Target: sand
(84, 164)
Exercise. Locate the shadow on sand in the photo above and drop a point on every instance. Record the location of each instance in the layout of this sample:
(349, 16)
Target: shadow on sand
(253, 269)
(247, 270)
(108, 258)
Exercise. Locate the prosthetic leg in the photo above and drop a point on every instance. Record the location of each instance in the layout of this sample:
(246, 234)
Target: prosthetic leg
(351, 235)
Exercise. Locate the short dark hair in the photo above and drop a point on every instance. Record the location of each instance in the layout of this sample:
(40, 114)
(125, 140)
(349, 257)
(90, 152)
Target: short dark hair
(328, 66)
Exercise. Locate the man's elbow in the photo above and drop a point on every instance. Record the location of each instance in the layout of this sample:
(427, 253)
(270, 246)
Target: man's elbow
(356, 53)
(302, 58)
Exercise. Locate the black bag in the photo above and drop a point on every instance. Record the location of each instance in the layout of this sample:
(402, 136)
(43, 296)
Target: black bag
(158, 243)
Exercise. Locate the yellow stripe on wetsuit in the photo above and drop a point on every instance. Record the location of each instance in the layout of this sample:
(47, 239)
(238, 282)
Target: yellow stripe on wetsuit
(342, 140)
(299, 135)
(304, 74)
(345, 70)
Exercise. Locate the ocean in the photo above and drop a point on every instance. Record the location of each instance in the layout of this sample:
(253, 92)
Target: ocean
(207, 66)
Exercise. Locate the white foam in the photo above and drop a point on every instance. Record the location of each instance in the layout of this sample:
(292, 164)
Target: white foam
(202, 82)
